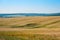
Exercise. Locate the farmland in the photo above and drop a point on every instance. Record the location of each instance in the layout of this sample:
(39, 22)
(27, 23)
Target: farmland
(30, 28)
(31, 22)
(30, 34)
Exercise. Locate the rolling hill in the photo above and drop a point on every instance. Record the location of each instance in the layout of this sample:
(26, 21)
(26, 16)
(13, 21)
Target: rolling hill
(27, 14)
(31, 22)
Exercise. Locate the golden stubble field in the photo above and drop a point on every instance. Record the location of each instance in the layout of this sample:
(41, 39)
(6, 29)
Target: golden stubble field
(46, 21)
(30, 28)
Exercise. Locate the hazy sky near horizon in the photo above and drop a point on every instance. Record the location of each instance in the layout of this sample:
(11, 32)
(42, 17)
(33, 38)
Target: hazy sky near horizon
(29, 6)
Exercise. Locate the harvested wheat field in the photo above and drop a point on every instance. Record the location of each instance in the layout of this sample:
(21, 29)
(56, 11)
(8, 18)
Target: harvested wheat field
(30, 28)
(31, 22)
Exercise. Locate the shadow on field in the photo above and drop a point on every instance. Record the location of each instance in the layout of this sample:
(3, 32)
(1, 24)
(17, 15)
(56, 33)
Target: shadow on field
(29, 25)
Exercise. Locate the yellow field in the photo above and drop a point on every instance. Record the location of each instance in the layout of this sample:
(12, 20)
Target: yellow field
(30, 34)
(30, 28)
(49, 21)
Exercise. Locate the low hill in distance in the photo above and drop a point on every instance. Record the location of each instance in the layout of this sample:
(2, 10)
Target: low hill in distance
(27, 14)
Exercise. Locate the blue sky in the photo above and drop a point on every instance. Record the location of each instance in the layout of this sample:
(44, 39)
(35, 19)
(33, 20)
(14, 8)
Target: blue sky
(29, 6)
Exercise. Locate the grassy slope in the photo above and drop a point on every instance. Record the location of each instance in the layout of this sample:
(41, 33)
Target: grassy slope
(48, 28)
(31, 22)
(19, 35)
